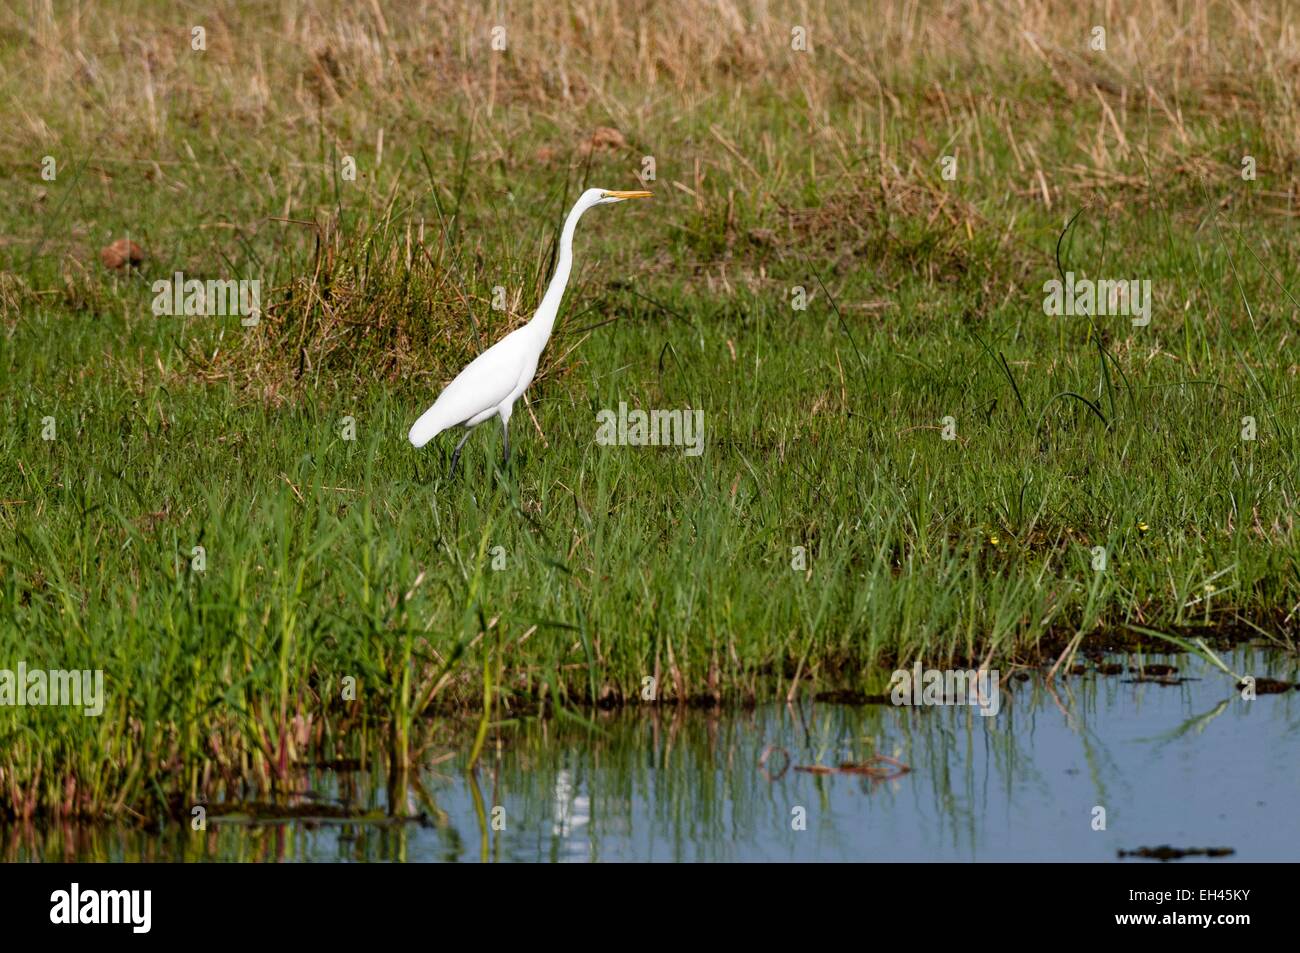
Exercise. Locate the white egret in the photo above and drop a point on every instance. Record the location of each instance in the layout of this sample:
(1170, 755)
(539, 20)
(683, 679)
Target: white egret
(491, 383)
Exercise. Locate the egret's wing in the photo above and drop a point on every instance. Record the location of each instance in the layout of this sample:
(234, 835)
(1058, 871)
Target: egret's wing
(483, 384)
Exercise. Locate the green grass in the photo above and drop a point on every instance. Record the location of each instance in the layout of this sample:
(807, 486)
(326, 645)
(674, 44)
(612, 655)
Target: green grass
(329, 559)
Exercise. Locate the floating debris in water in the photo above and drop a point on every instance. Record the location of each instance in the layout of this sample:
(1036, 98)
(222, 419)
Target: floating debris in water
(1165, 852)
(255, 813)
(1157, 680)
(878, 767)
(1268, 686)
(1159, 669)
(767, 753)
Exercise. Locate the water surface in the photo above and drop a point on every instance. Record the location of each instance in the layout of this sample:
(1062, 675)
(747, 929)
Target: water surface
(1188, 765)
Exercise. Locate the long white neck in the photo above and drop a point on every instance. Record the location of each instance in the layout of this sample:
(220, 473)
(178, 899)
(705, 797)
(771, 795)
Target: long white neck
(544, 320)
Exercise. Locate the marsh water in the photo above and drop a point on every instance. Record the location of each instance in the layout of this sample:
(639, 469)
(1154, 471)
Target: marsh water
(1185, 762)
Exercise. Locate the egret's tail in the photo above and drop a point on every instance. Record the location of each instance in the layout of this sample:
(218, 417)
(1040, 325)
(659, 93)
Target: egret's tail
(430, 424)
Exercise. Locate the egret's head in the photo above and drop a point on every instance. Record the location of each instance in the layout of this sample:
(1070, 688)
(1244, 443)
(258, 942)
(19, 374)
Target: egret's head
(608, 196)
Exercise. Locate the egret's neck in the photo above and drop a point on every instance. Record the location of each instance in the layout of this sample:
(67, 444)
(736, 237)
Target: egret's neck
(544, 320)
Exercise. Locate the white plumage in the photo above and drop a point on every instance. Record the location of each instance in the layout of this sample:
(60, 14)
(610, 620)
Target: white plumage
(491, 383)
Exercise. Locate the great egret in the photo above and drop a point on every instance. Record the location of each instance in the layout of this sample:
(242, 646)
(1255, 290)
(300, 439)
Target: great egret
(491, 383)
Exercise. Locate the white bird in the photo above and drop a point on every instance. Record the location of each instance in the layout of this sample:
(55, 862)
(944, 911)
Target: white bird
(491, 383)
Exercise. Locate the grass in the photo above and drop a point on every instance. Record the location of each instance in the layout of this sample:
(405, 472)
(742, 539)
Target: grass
(350, 593)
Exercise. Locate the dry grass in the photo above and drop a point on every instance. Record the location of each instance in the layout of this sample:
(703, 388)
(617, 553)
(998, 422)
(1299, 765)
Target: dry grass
(272, 69)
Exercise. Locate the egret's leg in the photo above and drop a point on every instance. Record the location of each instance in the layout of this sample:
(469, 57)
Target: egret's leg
(505, 435)
(455, 454)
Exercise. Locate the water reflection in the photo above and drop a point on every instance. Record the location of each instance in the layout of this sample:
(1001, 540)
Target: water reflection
(1189, 764)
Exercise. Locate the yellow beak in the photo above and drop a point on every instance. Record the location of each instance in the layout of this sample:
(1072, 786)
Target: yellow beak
(630, 195)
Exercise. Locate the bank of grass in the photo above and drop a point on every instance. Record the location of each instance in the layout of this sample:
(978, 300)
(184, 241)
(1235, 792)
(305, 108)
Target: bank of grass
(350, 593)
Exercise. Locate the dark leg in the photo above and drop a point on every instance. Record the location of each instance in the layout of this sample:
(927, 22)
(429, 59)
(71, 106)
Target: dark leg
(455, 454)
(505, 438)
